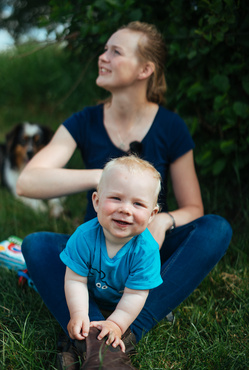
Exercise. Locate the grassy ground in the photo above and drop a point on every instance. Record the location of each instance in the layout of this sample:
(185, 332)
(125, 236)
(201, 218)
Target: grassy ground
(211, 328)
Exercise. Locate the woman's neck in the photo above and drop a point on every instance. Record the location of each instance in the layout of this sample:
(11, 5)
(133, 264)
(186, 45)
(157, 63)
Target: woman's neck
(129, 115)
(128, 110)
(126, 122)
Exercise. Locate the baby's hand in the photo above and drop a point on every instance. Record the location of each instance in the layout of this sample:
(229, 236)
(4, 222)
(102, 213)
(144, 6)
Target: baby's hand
(112, 330)
(78, 326)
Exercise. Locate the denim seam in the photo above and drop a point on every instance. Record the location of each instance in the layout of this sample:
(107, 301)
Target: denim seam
(177, 253)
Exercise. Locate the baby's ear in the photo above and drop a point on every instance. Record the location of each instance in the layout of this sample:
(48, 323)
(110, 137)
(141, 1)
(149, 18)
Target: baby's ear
(153, 213)
(95, 200)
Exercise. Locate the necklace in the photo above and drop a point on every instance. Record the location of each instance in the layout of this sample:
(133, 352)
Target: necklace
(124, 141)
(136, 131)
(121, 144)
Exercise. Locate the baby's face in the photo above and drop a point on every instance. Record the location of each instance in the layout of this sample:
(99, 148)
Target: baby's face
(125, 203)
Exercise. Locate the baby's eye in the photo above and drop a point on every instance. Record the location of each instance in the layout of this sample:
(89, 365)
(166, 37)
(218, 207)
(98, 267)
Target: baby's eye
(116, 51)
(115, 198)
(139, 204)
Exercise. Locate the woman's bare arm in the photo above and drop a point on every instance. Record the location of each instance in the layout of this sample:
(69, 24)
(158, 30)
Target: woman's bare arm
(44, 176)
(188, 196)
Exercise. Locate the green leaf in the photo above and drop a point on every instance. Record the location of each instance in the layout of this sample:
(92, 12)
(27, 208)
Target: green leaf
(204, 159)
(219, 166)
(192, 54)
(245, 84)
(195, 89)
(241, 109)
(221, 82)
(113, 3)
(227, 146)
(219, 102)
(136, 14)
(207, 36)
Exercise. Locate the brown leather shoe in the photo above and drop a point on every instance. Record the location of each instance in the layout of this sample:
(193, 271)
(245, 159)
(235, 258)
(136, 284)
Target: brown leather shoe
(129, 340)
(99, 355)
(67, 358)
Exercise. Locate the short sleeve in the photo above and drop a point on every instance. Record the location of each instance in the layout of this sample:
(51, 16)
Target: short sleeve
(180, 139)
(146, 267)
(76, 254)
(76, 125)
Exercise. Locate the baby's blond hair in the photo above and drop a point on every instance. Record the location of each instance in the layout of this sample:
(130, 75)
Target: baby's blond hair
(134, 164)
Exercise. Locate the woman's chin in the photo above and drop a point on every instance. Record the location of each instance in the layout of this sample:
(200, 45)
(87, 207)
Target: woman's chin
(102, 84)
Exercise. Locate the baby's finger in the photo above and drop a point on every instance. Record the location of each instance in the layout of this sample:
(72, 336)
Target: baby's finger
(78, 336)
(104, 331)
(85, 330)
(111, 338)
(75, 333)
(95, 324)
(119, 342)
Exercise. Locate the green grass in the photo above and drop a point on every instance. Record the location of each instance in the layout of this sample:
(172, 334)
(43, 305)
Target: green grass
(210, 331)
(211, 327)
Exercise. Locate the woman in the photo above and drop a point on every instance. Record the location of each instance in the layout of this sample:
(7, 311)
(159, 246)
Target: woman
(131, 68)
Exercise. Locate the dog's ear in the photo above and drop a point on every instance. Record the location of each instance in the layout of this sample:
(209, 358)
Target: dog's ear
(2, 156)
(47, 133)
(11, 137)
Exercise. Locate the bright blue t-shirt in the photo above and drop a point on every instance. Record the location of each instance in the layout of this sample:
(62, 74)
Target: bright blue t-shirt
(135, 266)
(167, 139)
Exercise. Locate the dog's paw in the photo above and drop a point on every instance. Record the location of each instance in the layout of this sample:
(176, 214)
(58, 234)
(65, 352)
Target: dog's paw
(56, 208)
(36, 204)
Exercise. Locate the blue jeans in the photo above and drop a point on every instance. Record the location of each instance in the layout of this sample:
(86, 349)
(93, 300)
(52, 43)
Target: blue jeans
(187, 256)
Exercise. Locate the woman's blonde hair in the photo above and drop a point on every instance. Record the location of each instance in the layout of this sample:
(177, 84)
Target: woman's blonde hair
(152, 48)
(134, 164)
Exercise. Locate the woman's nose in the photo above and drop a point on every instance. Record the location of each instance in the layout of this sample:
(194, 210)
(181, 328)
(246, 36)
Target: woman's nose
(104, 56)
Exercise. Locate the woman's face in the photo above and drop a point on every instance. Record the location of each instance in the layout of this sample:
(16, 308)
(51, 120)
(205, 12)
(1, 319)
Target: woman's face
(119, 65)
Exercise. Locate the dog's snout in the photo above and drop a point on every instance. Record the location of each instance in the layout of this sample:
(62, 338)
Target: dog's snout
(30, 154)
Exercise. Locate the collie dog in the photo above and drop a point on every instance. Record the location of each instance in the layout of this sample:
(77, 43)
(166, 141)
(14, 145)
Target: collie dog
(21, 144)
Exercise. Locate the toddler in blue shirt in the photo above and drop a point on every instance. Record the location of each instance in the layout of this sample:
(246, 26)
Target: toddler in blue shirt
(113, 259)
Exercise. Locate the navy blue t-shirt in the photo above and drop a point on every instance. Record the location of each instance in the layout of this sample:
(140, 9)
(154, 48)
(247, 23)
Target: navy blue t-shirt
(167, 139)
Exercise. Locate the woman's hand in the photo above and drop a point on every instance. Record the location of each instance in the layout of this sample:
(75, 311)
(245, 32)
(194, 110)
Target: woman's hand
(78, 326)
(158, 227)
(112, 330)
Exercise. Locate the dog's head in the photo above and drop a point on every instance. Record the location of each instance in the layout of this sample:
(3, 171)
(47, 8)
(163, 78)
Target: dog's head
(24, 141)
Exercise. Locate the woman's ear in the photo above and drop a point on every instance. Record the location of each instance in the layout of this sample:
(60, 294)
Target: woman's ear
(146, 70)
(95, 200)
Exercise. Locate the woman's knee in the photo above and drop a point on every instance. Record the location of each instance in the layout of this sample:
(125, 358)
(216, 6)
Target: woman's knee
(43, 245)
(219, 225)
(217, 231)
(29, 242)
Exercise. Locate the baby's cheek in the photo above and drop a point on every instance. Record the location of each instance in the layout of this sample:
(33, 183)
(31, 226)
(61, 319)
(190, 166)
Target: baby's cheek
(142, 219)
(109, 207)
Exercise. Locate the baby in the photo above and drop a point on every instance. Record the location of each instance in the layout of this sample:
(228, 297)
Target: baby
(113, 260)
